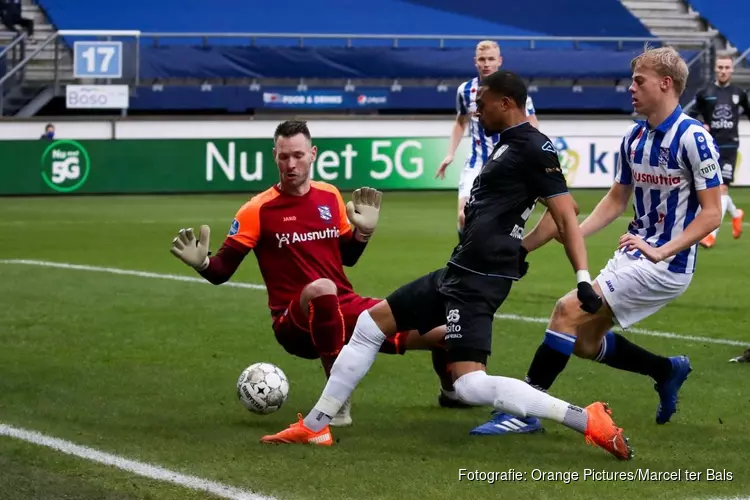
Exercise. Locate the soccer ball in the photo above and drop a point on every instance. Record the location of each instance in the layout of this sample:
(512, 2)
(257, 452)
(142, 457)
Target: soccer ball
(262, 388)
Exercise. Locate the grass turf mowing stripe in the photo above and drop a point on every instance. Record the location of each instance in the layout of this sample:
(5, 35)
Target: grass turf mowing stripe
(140, 468)
(254, 286)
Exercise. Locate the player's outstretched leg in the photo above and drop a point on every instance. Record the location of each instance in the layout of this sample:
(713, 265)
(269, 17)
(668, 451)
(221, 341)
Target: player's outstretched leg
(352, 363)
(512, 396)
(668, 373)
(572, 330)
(447, 397)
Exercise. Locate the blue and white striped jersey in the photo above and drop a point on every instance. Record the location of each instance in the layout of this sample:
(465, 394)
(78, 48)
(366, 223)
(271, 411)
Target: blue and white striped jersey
(667, 165)
(481, 145)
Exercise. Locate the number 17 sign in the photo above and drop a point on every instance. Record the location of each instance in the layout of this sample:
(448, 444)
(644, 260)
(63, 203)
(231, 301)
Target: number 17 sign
(97, 59)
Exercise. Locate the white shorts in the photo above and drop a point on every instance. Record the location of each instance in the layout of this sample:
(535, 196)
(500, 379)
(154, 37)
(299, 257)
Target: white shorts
(466, 181)
(635, 288)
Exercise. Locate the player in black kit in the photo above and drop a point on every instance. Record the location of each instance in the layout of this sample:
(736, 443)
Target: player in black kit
(522, 168)
(721, 105)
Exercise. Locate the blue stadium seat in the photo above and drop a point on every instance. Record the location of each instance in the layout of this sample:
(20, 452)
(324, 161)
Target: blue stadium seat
(411, 17)
(729, 17)
(373, 62)
(430, 53)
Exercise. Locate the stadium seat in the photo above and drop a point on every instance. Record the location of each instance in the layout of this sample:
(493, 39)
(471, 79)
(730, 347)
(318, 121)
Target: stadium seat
(187, 47)
(727, 17)
(179, 61)
(408, 17)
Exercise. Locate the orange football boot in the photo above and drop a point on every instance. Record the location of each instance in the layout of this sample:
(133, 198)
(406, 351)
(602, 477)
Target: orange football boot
(708, 241)
(602, 431)
(299, 434)
(737, 223)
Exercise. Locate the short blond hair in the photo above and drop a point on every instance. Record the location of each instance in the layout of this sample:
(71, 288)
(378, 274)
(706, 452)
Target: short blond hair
(666, 62)
(725, 55)
(488, 44)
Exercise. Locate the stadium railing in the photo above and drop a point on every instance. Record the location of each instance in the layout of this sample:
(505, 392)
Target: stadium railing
(60, 43)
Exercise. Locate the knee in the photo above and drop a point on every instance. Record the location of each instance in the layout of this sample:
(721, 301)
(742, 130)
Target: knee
(322, 286)
(366, 332)
(566, 309)
(466, 387)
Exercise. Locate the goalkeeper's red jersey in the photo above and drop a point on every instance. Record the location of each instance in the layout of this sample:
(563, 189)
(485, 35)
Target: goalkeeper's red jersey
(295, 239)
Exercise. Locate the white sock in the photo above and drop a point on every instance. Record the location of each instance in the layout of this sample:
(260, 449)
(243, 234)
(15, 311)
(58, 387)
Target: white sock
(352, 363)
(518, 398)
(731, 208)
(724, 202)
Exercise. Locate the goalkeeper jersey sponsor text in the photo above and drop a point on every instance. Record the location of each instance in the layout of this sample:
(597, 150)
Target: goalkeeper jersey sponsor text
(295, 240)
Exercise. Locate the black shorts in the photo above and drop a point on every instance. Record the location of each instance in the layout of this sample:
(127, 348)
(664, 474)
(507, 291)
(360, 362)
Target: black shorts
(727, 160)
(465, 302)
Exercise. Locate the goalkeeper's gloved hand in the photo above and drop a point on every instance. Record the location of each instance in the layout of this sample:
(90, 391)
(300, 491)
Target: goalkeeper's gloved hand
(192, 252)
(363, 211)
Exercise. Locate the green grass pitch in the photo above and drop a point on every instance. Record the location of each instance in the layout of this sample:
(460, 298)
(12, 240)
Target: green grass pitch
(146, 368)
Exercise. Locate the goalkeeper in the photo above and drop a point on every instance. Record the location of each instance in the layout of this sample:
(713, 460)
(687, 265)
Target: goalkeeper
(303, 235)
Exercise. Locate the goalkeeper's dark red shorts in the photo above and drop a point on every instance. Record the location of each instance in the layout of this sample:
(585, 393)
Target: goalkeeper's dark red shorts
(292, 328)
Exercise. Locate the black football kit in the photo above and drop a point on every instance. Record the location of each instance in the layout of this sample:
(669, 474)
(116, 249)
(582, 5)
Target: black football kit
(466, 293)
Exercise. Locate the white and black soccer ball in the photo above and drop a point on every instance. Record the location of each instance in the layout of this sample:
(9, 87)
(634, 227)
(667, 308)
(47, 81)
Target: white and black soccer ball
(262, 388)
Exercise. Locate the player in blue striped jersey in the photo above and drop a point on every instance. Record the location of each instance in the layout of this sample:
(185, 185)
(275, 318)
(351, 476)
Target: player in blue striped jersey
(670, 164)
(487, 60)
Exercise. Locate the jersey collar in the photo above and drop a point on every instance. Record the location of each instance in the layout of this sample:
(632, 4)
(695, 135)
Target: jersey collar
(510, 129)
(668, 122)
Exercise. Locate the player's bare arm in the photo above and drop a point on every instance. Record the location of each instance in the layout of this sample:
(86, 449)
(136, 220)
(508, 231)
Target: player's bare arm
(562, 210)
(544, 231)
(708, 219)
(612, 206)
(457, 133)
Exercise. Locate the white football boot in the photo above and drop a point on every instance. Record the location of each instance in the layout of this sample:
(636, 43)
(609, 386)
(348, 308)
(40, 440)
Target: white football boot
(344, 417)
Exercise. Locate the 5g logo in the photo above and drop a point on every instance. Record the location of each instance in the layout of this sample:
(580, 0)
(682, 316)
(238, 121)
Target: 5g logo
(65, 166)
(64, 169)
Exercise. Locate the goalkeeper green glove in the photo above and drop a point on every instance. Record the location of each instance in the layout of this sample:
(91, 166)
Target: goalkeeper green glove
(363, 211)
(192, 252)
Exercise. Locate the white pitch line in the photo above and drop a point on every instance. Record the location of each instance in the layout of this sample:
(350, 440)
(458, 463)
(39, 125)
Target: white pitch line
(253, 286)
(140, 468)
(125, 272)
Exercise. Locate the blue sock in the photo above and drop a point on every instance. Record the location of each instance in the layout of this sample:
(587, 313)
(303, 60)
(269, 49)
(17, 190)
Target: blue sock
(550, 359)
(607, 350)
